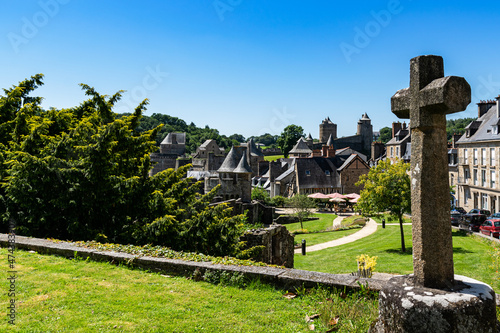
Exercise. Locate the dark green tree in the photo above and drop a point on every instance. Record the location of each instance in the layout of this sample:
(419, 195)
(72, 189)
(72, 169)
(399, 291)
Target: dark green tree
(289, 137)
(82, 173)
(385, 134)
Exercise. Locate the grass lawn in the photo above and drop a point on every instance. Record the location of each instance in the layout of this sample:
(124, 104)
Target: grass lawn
(57, 294)
(325, 221)
(273, 157)
(471, 255)
(322, 237)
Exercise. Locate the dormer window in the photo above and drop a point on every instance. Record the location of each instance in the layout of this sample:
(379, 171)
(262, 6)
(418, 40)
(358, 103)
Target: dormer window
(308, 172)
(327, 172)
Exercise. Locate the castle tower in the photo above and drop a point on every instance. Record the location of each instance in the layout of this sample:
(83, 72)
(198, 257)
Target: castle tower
(327, 128)
(365, 129)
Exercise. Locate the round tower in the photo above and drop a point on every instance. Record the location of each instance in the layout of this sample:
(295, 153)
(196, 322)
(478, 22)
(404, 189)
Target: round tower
(327, 128)
(365, 129)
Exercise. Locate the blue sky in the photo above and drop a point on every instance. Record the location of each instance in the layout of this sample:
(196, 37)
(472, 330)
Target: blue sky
(248, 67)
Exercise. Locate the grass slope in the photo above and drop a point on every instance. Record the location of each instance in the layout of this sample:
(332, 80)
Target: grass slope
(471, 255)
(56, 294)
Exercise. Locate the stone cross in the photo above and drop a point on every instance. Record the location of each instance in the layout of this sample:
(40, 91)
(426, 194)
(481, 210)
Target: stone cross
(427, 101)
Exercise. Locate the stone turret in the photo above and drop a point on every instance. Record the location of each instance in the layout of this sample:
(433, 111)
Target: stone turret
(327, 128)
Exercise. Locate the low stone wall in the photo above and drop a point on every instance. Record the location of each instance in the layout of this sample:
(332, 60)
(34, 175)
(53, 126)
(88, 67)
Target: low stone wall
(279, 277)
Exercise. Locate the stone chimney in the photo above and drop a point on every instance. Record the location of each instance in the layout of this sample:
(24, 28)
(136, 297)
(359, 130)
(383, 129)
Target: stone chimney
(454, 139)
(484, 106)
(396, 127)
(498, 106)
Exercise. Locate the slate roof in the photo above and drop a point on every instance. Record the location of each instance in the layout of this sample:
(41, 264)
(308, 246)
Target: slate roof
(285, 174)
(301, 148)
(230, 162)
(254, 151)
(317, 177)
(330, 141)
(174, 138)
(484, 128)
(243, 166)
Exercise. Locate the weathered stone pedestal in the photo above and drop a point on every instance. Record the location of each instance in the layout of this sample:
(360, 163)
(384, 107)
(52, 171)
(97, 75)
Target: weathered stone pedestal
(404, 307)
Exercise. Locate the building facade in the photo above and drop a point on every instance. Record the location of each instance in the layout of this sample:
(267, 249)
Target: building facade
(478, 167)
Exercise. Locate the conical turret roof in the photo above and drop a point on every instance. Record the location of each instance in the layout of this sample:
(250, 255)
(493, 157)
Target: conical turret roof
(252, 148)
(330, 141)
(243, 166)
(230, 162)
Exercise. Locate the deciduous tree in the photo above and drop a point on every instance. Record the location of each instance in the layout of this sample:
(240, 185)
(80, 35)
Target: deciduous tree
(289, 137)
(387, 188)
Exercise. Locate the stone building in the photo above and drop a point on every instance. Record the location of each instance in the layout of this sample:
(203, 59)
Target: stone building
(361, 142)
(326, 170)
(208, 157)
(399, 147)
(478, 151)
(235, 175)
(172, 148)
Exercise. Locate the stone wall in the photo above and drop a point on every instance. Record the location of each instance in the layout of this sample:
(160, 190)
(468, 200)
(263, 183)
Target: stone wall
(277, 242)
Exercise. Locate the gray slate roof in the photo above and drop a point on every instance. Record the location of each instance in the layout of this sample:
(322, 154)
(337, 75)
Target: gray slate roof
(484, 126)
(243, 166)
(174, 138)
(330, 141)
(317, 178)
(230, 162)
(301, 147)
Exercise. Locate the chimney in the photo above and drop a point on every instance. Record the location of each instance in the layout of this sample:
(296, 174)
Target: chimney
(498, 106)
(484, 106)
(455, 138)
(396, 127)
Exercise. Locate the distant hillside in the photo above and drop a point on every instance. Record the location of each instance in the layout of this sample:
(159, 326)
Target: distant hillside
(457, 126)
(195, 136)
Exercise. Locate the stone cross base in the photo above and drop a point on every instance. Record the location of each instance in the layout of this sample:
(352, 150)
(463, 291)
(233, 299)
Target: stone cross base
(403, 307)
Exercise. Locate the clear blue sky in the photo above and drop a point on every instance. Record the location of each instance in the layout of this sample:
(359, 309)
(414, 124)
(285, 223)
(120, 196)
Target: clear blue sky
(244, 66)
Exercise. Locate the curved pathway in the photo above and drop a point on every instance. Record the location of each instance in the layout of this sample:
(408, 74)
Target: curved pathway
(368, 229)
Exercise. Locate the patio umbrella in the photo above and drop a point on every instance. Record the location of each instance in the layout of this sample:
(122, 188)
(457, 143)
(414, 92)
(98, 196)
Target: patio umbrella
(337, 200)
(352, 196)
(337, 195)
(318, 195)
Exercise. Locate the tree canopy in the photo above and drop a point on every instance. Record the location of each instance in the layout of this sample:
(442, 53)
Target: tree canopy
(385, 134)
(289, 137)
(386, 187)
(82, 173)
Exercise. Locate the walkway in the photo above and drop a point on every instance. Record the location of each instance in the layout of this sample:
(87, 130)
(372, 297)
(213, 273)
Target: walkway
(368, 229)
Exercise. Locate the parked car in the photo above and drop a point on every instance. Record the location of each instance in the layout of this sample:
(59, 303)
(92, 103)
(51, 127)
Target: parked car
(472, 222)
(476, 211)
(456, 218)
(460, 209)
(494, 216)
(491, 227)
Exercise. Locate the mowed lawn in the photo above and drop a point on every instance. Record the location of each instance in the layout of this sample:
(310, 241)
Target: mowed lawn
(55, 294)
(471, 255)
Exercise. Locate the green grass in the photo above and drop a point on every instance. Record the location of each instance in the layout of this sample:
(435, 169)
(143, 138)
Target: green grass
(273, 157)
(471, 256)
(389, 219)
(57, 294)
(324, 222)
(323, 237)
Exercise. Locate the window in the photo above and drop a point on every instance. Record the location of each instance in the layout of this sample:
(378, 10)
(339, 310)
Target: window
(475, 156)
(483, 178)
(483, 156)
(466, 157)
(492, 157)
(466, 195)
(466, 175)
(452, 180)
(397, 151)
(308, 172)
(475, 176)
(484, 201)
(492, 178)
(392, 151)
(327, 172)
